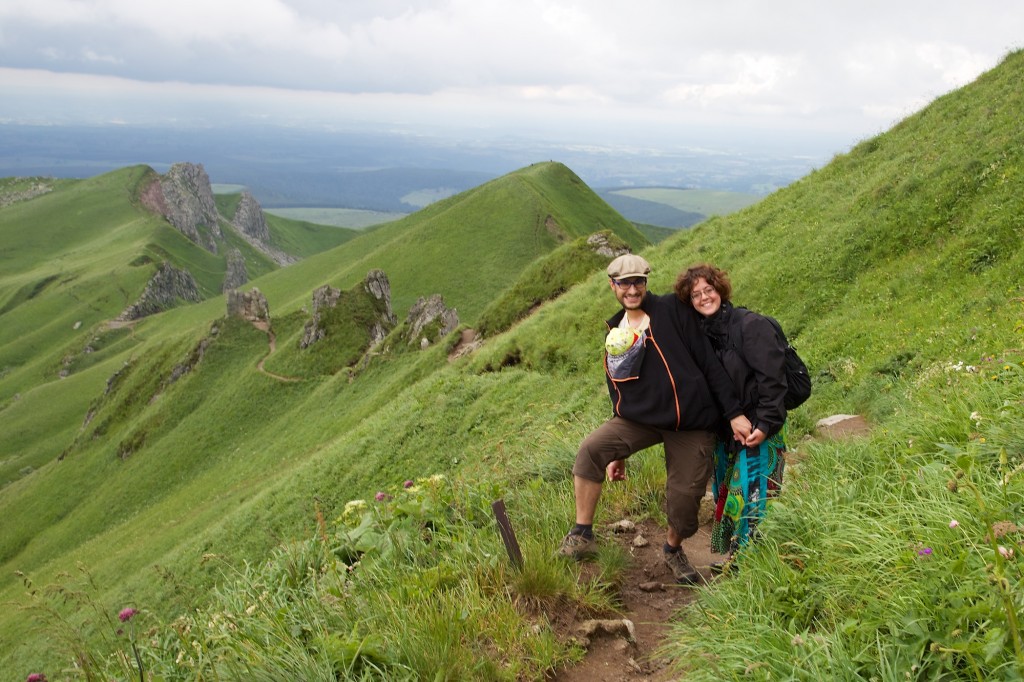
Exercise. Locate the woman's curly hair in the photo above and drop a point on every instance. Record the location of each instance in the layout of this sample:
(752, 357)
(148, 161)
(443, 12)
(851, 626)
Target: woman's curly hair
(717, 278)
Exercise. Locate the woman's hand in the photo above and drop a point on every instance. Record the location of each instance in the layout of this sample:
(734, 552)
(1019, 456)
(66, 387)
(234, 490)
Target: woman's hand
(741, 428)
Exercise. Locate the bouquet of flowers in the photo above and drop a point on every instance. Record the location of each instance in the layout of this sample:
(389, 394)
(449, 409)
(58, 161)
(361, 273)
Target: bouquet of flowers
(625, 352)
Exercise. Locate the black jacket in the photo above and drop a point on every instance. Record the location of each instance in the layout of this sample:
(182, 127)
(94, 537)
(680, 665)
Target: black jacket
(755, 358)
(681, 385)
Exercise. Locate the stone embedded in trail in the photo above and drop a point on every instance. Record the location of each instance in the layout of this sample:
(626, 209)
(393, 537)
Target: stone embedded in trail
(623, 526)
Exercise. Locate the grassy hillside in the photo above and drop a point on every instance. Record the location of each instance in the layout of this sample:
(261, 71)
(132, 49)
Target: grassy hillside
(74, 257)
(470, 247)
(231, 507)
(155, 452)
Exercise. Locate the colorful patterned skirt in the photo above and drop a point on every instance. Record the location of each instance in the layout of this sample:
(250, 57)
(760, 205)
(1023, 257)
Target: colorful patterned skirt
(743, 484)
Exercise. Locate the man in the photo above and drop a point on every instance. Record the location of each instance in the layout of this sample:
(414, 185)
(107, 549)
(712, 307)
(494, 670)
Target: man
(675, 396)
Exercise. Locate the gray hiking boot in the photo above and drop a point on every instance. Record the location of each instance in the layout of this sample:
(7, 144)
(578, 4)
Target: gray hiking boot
(577, 547)
(684, 572)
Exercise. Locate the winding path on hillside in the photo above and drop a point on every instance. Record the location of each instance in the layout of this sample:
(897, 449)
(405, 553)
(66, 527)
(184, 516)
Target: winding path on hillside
(272, 343)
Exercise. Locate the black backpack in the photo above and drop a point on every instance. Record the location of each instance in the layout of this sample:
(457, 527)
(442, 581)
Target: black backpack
(798, 381)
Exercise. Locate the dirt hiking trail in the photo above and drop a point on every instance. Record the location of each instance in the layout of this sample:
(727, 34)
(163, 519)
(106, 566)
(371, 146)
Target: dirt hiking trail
(649, 598)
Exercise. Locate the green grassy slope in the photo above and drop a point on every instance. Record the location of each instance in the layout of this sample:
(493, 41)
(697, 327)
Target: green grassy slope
(888, 265)
(141, 457)
(450, 247)
(73, 259)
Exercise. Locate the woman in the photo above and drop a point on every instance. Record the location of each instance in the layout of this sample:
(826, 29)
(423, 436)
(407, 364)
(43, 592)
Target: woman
(746, 474)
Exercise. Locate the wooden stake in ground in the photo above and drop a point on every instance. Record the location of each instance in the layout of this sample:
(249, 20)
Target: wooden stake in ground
(508, 535)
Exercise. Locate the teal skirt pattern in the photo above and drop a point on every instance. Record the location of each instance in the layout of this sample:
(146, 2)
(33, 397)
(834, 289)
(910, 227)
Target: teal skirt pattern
(743, 483)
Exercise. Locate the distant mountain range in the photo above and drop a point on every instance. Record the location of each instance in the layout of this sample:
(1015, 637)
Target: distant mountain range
(376, 171)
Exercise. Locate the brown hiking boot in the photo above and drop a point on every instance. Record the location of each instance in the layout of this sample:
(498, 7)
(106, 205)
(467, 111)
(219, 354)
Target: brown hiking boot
(684, 572)
(577, 547)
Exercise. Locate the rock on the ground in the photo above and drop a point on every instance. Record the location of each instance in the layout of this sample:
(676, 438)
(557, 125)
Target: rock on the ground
(840, 425)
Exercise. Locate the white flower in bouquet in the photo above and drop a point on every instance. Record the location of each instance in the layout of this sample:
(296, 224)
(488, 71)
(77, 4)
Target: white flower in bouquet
(620, 340)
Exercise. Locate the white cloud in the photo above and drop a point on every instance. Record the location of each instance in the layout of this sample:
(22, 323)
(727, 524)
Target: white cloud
(93, 56)
(651, 66)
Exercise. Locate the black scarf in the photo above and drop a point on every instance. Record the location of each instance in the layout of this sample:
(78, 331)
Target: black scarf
(717, 326)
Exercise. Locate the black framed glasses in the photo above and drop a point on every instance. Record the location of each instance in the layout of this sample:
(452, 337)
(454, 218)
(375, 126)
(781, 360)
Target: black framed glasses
(638, 282)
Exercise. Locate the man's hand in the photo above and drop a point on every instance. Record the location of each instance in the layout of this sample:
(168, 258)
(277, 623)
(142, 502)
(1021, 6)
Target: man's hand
(741, 428)
(616, 470)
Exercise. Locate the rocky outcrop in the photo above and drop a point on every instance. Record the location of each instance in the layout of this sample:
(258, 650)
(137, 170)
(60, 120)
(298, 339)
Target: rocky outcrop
(163, 291)
(430, 320)
(184, 198)
(235, 274)
(602, 246)
(186, 202)
(250, 306)
(251, 224)
(377, 285)
(323, 298)
(249, 219)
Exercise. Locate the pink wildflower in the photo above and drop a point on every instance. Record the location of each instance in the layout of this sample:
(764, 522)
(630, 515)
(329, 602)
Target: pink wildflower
(954, 523)
(381, 496)
(126, 614)
(1006, 552)
(408, 484)
(924, 552)
(36, 677)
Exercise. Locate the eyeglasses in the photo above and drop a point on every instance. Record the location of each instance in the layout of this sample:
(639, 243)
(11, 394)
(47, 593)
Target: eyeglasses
(706, 291)
(638, 282)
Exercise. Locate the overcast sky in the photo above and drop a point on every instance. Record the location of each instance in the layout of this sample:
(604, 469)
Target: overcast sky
(599, 72)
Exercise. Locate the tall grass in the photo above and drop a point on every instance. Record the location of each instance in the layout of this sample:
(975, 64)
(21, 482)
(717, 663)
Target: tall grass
(893, 557)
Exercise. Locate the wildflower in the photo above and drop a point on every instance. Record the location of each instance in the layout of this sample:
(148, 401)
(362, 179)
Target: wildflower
(353, 506)
(797, 640)
(380, 496)
(126, 614)
(925, 551)
(1006, 552)
(408, 484)
(1002, 528)
(975, 417)
(954, 523)
(36, 677)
